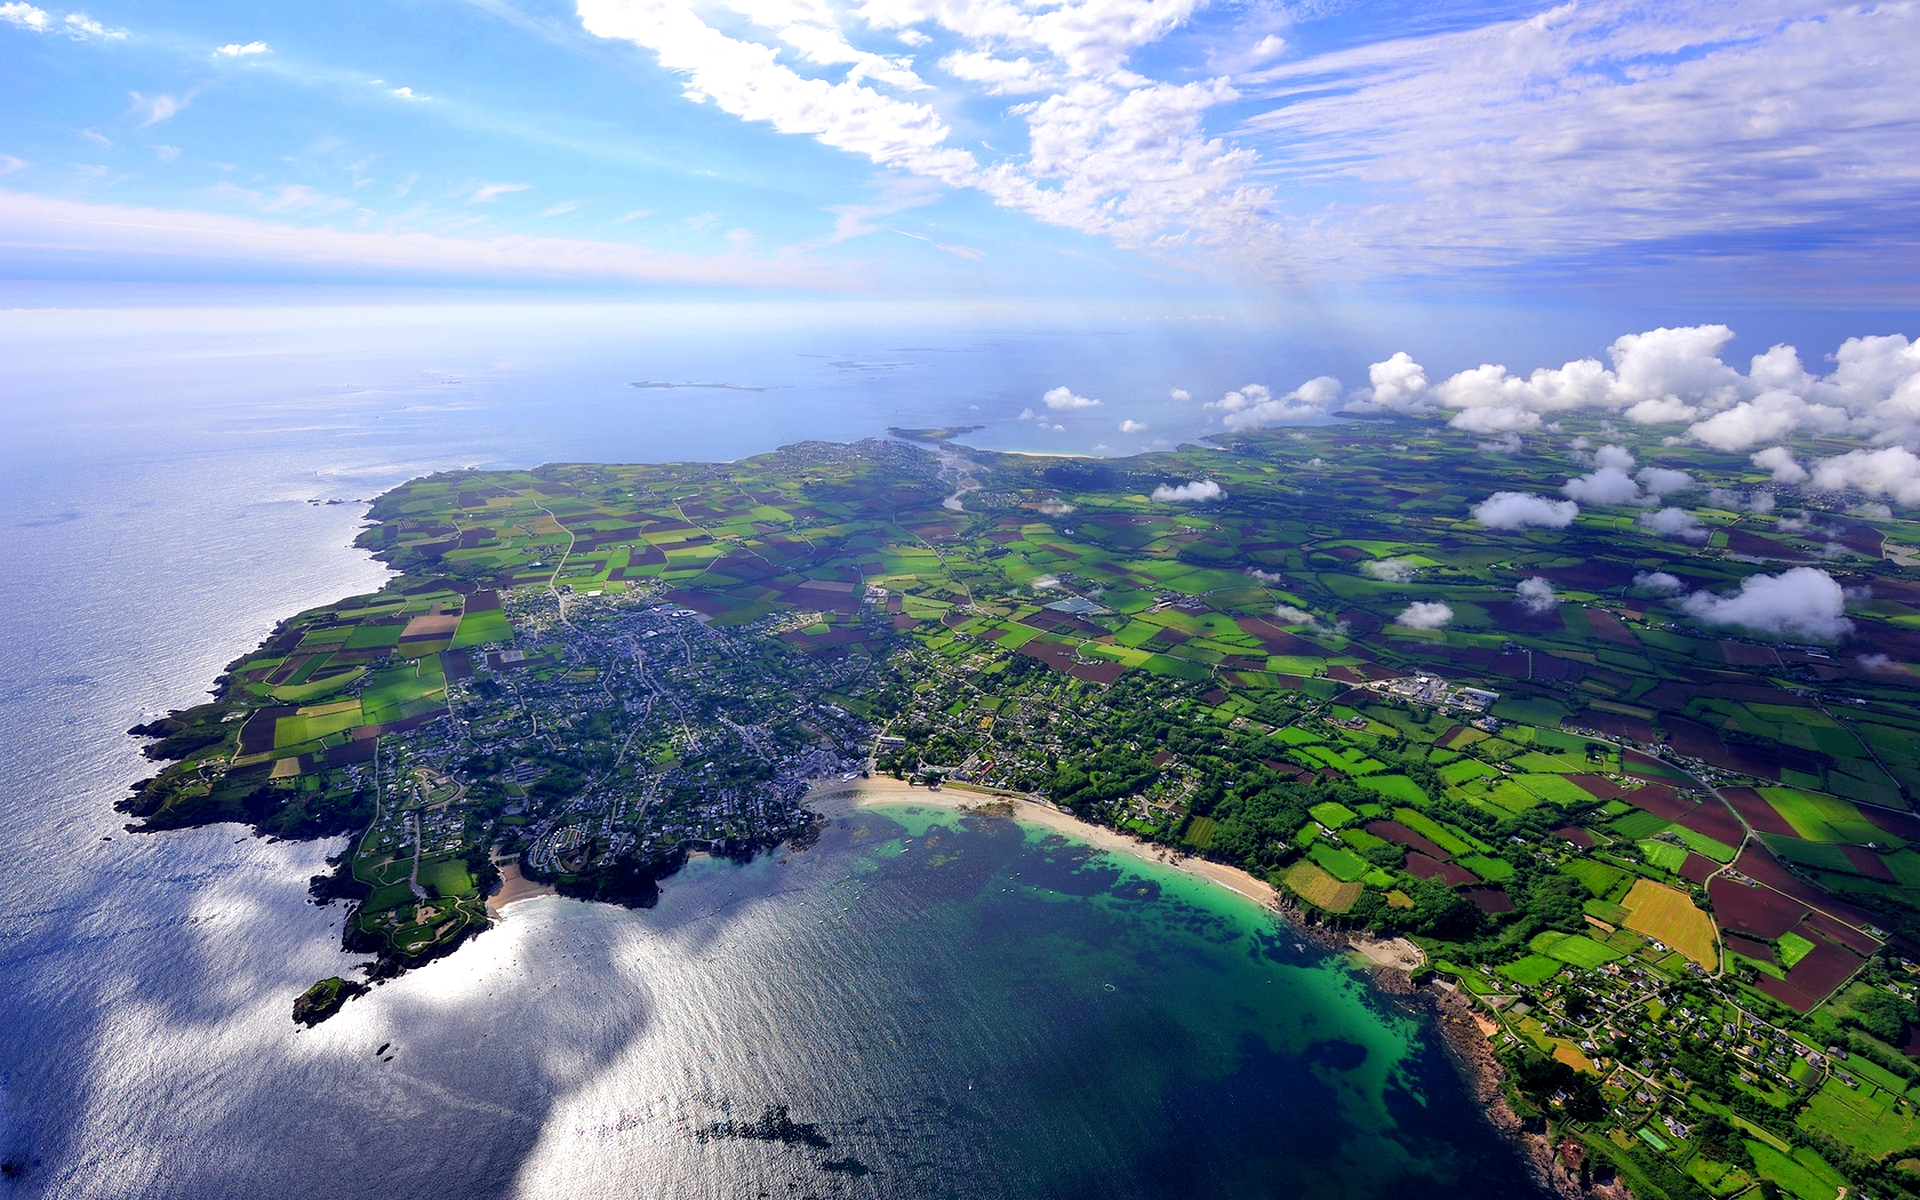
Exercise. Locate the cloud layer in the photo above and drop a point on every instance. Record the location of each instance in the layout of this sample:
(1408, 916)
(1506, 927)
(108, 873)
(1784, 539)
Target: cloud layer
(1804, 603)
(1677, 377)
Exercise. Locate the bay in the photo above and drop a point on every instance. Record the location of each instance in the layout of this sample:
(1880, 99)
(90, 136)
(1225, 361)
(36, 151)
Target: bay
(168, 498)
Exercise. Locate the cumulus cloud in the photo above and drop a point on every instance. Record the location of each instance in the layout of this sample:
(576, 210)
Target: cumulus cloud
(1064, 397)
(1424, 614)
(1520, 510)
(1399, 384)
(1608, 485)
(1662, 481)
(26, 16)
(1779, 460)
(1256, 407)
(1286, 614)
(1189, 493)
(1391, 570)
(1132, 426)
(1658, 581)
(241, 49)
(1045, 583)
(1893, 472)
(1674, 523)
(1804, 603)
(1676, 375)
(1536, 596)
(1055, 507)
(1181, 394)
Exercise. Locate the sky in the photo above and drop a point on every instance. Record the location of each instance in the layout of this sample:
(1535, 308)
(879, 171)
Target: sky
(1607, 162)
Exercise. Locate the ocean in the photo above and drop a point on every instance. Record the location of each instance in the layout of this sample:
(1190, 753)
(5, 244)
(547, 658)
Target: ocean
(922, 1004)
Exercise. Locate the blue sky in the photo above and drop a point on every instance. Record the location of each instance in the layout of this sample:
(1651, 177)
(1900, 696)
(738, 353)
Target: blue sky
(1730, 156)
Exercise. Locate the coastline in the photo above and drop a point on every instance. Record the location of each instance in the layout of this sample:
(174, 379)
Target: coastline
(515, 887)
(842, 796)
(1390, 963)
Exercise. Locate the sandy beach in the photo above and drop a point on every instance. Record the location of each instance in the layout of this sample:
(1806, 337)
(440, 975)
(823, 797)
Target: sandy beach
(514, 886)
(840, 796)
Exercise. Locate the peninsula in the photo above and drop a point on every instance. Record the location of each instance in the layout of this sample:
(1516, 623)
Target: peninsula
(1638, 784)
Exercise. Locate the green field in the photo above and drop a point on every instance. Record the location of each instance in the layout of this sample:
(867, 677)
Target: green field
(1531, 971)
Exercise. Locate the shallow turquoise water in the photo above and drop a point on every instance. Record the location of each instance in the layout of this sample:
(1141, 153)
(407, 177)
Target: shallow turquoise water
(941, 1013)
(987, 1009)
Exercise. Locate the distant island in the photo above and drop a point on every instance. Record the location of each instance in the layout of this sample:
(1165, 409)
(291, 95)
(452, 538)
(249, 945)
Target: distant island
(1652, 832)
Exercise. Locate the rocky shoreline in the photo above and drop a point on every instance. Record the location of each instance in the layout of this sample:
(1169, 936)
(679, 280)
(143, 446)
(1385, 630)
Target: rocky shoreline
(1464, 1034)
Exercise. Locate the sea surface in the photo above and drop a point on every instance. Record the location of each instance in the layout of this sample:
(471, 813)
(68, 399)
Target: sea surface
(939, 1005)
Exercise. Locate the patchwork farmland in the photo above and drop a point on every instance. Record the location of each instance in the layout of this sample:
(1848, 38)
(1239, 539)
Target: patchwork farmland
(1673, 863)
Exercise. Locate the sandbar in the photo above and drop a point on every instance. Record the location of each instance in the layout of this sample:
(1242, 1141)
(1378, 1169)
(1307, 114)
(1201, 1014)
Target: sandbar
(840, 796)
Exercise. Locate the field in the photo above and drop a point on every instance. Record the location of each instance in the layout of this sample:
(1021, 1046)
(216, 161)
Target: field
(1229, 676)
(1864, 1117)
(1668, 915)
(1532, 970)
(1318, 888)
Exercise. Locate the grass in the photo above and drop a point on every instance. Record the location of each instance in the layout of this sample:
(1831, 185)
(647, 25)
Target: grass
(1394, 787)
(1818, 817)
(1664, 855)
(1700, 843)
(1531, 971)
(1344, 865)
(1792, 948)
(1554, 789)
(1596, 877)
(1805, 1175)
(1200, 832)
(1433, 830)
(1859, 1119)
(1332, 814)
(1637, 825)
(1582, 951)
(1320, 889)
(1668, 915)
(447, 875)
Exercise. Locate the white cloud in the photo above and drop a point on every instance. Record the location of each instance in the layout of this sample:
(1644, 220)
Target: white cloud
(1675, 523)
(1399, 384)
(1673, 375)
(1779, 460)
(80, 27)
(9, 164)
(1804, 602)
(561, 209)
(1286, 614)
(1569, 128)
(1256, 407)
(1132, 426)
(1065, 397)
(488, 192)
(1893, 472)
(132, 236)
(407, 93)
(240, 50)
(1189, 493)
(1608, 485)
(1521, 510)
(1663, 481)
(1659, 581)
(1181, 394)
(1424, 614)
(1391, 570)
(25, 16)
(1536, 596)
(155, 109)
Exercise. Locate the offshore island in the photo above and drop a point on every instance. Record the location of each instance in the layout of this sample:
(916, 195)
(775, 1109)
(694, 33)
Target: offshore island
(1647, 835)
